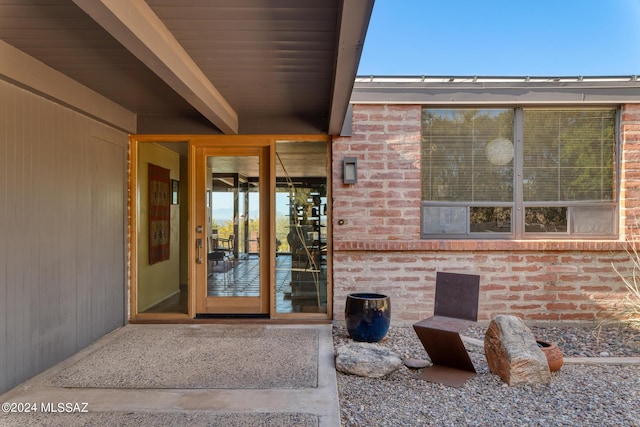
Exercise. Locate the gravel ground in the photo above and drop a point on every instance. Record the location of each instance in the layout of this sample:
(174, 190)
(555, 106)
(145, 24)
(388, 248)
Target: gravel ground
(579, 395)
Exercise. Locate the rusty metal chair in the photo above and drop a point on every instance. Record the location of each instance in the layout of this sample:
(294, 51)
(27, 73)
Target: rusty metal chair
(456, 308)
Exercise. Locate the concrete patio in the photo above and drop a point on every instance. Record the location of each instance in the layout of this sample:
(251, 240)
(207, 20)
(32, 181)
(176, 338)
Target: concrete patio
(232, 374)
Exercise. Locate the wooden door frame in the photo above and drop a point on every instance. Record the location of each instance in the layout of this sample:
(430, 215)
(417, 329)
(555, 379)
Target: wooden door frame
(195, 141)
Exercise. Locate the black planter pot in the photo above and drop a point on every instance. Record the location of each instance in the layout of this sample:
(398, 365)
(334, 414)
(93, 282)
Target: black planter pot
(368, 316)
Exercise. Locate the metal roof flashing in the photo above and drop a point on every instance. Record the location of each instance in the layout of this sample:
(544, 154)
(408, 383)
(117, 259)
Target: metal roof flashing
(497, 90)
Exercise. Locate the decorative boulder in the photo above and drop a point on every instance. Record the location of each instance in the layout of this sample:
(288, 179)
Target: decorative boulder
(366, 360)
(513, 353)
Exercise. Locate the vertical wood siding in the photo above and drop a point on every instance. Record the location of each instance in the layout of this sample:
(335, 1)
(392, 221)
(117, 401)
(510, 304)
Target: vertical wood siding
(62, 232)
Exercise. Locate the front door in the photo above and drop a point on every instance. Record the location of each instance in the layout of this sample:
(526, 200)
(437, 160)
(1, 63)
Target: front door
(246, 227)
(232, 219)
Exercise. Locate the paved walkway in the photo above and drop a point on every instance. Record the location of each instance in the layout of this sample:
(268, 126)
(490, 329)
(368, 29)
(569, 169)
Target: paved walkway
(313, 406)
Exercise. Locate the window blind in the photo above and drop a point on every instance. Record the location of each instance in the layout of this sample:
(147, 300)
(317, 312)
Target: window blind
(467, 155)
(569, 155)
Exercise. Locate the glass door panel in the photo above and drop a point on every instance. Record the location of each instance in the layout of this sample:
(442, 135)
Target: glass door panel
(232, 277)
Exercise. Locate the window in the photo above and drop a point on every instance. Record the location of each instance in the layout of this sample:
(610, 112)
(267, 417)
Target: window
(519, 173)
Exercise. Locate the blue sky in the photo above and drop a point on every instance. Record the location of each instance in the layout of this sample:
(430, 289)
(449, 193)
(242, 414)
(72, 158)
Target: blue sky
(503, 38)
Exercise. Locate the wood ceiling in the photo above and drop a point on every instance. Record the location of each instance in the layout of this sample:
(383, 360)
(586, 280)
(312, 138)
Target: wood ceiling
(203, 66)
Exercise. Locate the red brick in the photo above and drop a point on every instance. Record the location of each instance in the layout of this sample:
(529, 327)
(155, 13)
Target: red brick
(538, 297)
(631, 137)
(577, 316)
(561, 306)
(548, 259)
(404, 128)
(503, 278)
(399, 202)
(386, 117)
(383, 194)
(526, 307)
(370, 184)
(385, 213)
(631, 172)
(596, 288)
(404, 220)
(492, 269)
(574, 278)
(402, 184)
(492, 287)
(520, 288)
(529, 267)
(511, 259)
(414, 175)
(361, 127)
(541, 277)
(495, 307)
(543, 316)
(561, 269)
(386, 175)
(591, 307)
(571, 297)
(596, 269)
(556, 288)
(369, 203)
(503, 297)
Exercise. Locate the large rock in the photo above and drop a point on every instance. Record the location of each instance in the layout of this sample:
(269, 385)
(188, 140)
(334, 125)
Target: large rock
(366, 360)
(513, 354)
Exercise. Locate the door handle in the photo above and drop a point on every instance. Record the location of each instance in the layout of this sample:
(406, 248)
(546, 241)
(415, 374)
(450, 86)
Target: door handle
(198, 254)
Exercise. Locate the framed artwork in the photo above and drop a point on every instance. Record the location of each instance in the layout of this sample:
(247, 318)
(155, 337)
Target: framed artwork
(159, 214)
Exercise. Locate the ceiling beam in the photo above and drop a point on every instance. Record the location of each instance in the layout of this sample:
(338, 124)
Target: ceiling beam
(134, 24)
(352, 29)
(26, 71)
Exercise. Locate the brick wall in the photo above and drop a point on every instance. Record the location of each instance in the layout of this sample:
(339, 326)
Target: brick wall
(377, 245)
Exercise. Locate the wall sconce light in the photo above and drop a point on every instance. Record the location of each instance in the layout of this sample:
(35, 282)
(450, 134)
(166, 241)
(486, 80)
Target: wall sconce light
(350, 170)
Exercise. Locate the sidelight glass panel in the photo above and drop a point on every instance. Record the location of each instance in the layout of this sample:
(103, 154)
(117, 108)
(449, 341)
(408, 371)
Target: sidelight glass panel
(162, 213)
(301, 227)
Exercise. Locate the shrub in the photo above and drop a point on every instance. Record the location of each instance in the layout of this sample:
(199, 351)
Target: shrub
(626, 312)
